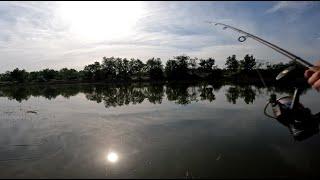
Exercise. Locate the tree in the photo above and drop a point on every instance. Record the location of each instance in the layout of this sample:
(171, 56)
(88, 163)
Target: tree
(18, 75)
(92, 71)
(48, 74)
(232, 63)
(193, 63)
(248, 63)
(177, 68)
(136, 67)
(68, 74)
(126, 68)
(6, 76)
(170, 69)
(207, 64)
(122, 69)
(182, 63)
(154, 68)
(108, 67)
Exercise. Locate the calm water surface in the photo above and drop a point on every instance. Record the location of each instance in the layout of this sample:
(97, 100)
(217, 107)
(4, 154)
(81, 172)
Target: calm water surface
(149, 131)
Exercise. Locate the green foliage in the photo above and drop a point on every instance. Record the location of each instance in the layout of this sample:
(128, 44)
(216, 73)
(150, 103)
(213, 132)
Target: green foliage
(177, 68)
(93, 71)
(48, 74)
(193, 63)
(114, 69)
(248, 63)
(18, 75)
(232, 64)
(123, 69)
(154, 68)
(108, 68)
(207, 65)
(135, 66)
(68, 74)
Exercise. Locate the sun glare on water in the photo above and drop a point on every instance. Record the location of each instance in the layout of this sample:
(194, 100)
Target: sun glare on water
(112, 157)
(100, 20)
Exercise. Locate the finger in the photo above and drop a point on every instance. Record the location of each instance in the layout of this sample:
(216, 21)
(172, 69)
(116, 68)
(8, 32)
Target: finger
(308, 73)
(315, 76)
(316, 85)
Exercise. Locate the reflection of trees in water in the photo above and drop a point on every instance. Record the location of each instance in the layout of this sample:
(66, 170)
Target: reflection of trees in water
(123, 96)
(247, 93)
(178, 93)
(21, 93)
(206, 93)
(18, 93)
(232, 95)
(113, 96)
(93, 95)
(155, 94)
(185, 94)
(50, 93)
(69, 92)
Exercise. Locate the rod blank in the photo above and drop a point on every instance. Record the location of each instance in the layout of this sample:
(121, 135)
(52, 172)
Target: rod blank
(270, 45)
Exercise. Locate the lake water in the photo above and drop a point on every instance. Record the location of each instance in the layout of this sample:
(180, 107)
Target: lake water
(150, 131)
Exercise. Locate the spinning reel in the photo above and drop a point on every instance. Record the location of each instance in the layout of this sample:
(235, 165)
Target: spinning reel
(291, 113)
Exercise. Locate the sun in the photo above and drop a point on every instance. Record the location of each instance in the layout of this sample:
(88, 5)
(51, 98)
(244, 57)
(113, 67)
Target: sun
(100, 20)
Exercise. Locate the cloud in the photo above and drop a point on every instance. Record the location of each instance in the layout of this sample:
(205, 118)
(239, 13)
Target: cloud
(291, 5)
(35, 37)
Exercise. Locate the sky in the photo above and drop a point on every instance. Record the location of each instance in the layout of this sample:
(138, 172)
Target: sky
(38, 35)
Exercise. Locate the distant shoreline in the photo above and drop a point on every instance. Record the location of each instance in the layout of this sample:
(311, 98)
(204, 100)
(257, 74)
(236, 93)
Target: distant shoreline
(178, 69)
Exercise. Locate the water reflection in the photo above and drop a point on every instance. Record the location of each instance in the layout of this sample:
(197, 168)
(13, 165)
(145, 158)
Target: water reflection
(113, 96)
(202, 140)
(112, 157)
(180, 94)
(248, 93)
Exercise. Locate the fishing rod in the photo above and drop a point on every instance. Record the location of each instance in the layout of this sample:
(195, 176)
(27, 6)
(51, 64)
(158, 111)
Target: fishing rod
(287, 110)
(270, 45)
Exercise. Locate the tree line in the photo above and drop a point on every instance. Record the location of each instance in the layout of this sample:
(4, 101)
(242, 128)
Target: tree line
(183, 67)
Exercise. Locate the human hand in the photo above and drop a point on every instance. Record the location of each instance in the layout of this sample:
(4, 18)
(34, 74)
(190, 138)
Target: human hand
(313, 76)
